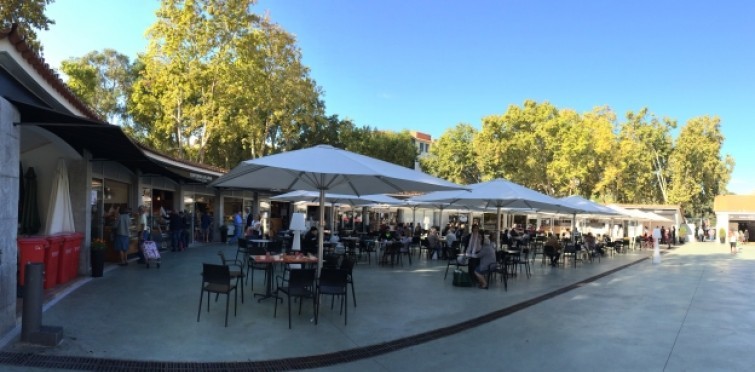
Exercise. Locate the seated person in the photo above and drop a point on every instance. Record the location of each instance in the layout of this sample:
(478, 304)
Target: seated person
(433, 242)
(487, 258)
(552, 249)
(309, 241)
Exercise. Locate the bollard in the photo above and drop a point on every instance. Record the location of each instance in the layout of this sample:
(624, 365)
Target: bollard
(32, 330)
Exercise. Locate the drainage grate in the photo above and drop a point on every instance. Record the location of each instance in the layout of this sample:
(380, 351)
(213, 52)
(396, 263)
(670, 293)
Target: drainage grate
(306, 362)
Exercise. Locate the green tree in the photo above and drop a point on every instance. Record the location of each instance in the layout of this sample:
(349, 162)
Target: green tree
(30, 17)
(103, 80)
(519, 145)
(453, 156)
(638, 173)
(220, 84)
(697, 169)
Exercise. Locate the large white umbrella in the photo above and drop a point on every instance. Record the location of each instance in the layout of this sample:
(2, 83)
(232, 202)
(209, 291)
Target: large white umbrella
(352, 200)
(324, 169)
(588, 207)
(499, 194)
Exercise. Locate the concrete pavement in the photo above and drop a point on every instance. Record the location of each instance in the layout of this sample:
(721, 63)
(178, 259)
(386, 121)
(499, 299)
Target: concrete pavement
(691, 312)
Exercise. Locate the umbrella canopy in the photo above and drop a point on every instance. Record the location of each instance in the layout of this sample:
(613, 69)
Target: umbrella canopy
(30, 217)
(499, 194)
(324, 169)
(353, 200)
(587, 206)
(59, 211)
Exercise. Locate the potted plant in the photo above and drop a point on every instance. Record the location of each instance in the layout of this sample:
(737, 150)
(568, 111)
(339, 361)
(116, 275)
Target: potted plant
(722, 235)
(97, 250)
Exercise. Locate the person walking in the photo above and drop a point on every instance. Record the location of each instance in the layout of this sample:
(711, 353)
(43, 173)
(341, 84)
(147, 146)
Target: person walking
(122, 237)
(205, 222)
(174, 224)
(238, 223)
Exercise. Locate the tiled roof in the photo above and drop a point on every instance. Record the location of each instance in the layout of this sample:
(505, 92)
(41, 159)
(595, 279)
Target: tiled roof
(44, 70)
(51, 77)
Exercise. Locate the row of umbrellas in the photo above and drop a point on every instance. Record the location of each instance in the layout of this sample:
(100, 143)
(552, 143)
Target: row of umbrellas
(327, 174)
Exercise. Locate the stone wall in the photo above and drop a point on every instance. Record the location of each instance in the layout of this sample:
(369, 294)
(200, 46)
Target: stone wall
(9, 158)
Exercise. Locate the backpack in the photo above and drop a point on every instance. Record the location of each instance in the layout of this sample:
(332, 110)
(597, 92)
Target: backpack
(461, 279)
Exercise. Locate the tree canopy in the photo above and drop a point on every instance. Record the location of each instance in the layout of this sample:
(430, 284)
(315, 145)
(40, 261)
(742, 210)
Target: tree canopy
(30, 17)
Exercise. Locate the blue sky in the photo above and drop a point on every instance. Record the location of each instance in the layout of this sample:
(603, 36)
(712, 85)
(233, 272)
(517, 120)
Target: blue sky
(428, 65)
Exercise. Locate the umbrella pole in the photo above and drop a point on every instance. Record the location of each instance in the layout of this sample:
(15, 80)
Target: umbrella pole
(498, 228)
(321, 232)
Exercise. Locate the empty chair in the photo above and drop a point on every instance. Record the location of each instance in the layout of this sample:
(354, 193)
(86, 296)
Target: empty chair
(236, 268)
(367, 245)
(523, 259)
(333, 282)
(453, 258)
(252, 266)
(217, 279)
(347, 265)
(499, 268)
(300, 284)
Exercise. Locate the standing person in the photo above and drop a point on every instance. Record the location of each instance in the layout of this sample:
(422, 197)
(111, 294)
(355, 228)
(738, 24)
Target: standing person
(174, 224)
(144, 230)
(700, 234)
(249, 218)
(450, 239)
(473, 241)
(238, 223)
(206, 220)
(746, 236)
(473, 245)
(257, 227)
(673, 234)
(122, 238)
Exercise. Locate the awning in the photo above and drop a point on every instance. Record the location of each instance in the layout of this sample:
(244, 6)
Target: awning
(105, 141)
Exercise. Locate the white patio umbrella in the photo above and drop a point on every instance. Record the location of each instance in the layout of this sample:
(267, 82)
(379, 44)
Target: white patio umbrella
(324, 169)
(499, 194)
(60, 210)
(351, 200)
(588, 207)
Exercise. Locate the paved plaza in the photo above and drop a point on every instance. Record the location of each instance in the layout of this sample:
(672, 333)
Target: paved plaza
(690, 313)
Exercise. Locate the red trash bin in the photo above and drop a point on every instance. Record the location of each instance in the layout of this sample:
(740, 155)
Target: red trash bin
(73, 240)
(64, 261)
(52, 255)
(30, 249)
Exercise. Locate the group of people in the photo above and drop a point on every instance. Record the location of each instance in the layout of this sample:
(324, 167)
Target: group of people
(249, 223)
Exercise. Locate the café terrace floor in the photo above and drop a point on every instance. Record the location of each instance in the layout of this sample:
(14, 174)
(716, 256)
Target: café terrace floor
(693, 311)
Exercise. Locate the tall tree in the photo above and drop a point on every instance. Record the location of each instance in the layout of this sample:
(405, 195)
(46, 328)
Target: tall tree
(519, 145)
(103, 80)
(639, 173)
(697, 169)
(221, 84)
(30, 17)
(453, 156)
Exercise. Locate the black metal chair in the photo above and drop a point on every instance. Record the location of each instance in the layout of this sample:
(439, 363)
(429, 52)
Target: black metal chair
(217, 279)
(252, 266)
(347, 264)
(453, 254)
(523, 259)
(236, 268)
(499, 267)
(333, 282)
(300, 284)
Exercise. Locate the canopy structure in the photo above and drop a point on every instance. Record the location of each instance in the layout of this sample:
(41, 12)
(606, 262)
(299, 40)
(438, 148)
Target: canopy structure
(499, 194)
(324, 169)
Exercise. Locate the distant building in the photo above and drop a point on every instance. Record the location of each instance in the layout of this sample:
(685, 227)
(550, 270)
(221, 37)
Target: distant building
(735, 212)
(422, 141)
